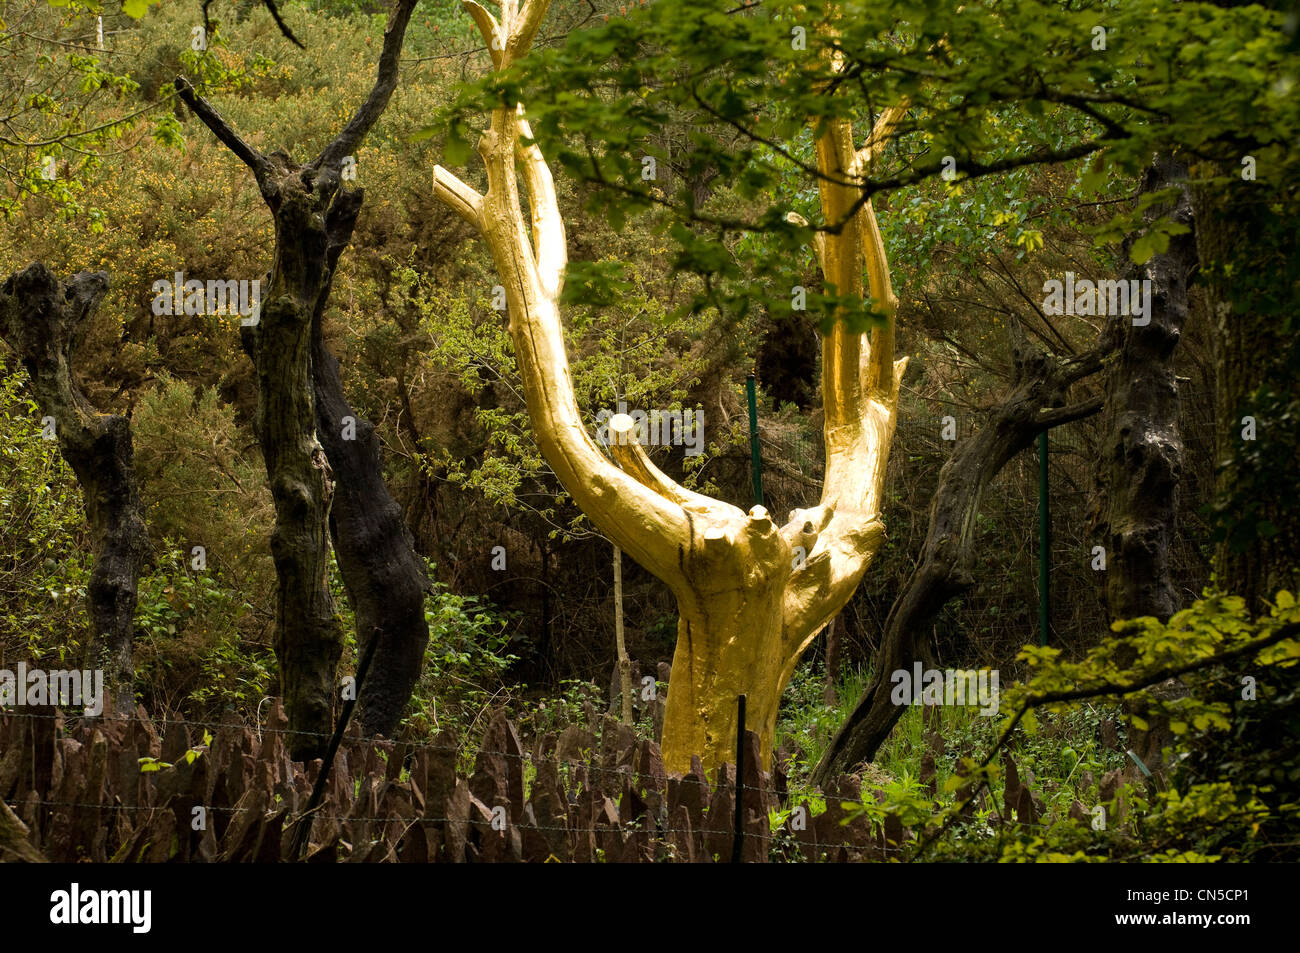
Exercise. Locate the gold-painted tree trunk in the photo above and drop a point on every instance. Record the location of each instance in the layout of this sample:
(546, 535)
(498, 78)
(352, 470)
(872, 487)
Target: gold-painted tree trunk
(751, 595)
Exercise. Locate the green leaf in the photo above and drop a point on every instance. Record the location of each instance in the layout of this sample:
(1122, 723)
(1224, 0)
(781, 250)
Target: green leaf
(456, 150)
(1030, 723)
(1150, 244)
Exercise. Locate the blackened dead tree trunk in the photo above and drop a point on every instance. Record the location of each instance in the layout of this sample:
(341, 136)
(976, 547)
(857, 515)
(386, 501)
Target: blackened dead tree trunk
(1142, 457)
(1037, 402)
(1141, 465)
(829, 695)
(383, 575)
(307, 443)
(39, 318)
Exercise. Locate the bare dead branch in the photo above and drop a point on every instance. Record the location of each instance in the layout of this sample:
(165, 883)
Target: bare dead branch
(222, 130)
(346, 142)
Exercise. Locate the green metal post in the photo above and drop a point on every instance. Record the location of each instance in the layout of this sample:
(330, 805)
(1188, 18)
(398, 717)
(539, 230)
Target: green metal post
(1044, 541)
(756, 459)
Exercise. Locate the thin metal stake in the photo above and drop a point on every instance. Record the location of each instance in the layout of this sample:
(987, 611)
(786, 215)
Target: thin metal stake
(740, 779)
(1044, 542)
(301, 835)
(755, 456)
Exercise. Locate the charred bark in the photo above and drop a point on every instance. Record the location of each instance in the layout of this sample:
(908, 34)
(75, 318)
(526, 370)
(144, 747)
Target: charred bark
(39, 318)
(383, 575)
(308, 638)
(1142, 455)
(301, 429)
(1036, 402)
(829, 695)
(1141, 466)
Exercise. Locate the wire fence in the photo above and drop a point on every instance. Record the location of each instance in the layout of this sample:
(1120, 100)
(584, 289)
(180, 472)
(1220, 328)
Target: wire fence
(77, 785)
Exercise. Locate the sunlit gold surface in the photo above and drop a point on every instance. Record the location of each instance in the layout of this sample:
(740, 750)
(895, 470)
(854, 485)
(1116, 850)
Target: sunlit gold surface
(745, 613)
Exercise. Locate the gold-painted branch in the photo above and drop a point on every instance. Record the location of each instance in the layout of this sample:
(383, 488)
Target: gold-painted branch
(878, 376)
(842, 394)
(631, 456)
(886, 127)
(860, 381)
(647, 526)
(818, 238)
(459, 197)
(490, 30)
(549, 242)
(524, 27)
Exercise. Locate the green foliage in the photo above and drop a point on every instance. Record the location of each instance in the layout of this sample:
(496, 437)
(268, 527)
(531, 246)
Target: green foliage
(624, 346)
(44, 567)
(992, 88)
(569, 707)
(1226, 791)
(806, 722)
(191, 654)
(200, 641)
(1206, 806)
(66, 104)
(463, 666)
(148, 765)
(200, 484)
